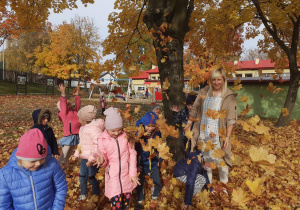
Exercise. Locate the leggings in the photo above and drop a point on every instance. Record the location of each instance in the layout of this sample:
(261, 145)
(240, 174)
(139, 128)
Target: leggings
(199, 182)
(120, 201)
(66, 153)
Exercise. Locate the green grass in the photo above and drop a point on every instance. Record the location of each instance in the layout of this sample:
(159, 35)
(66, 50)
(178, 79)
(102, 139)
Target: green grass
(9, 88)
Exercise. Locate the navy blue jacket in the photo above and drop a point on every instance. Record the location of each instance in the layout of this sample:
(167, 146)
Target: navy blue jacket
(47, 132)
(182, 168)
(143, 156)
(21, 189)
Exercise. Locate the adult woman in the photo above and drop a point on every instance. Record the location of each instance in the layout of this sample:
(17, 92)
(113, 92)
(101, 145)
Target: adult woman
(216, 96)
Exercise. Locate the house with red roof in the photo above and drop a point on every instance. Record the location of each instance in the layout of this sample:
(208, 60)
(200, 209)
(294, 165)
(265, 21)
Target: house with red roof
(251, 68)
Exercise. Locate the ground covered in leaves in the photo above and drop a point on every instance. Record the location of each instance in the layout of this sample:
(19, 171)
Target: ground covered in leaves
(265, 170)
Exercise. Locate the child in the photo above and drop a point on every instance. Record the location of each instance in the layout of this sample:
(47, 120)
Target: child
(193, 175)
(156, 108)
(89, 131)
(119, 158)
(68, 115)
(148, 161)
(32, 179)
(183, 116)
(41, 118)
(102, 102)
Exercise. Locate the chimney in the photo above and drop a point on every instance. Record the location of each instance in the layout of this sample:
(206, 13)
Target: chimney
(256, 61)
(153, 66)
(235, 62)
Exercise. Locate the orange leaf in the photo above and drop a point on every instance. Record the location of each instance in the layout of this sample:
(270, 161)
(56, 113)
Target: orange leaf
(211, 113)
(114, 100)
(203, 128)
(244, 99)
(285, 112)
(222, 114)
(238, 87)
(188, 161)
(219, 153)
(212, 165)
(212, 135)
(209, 146)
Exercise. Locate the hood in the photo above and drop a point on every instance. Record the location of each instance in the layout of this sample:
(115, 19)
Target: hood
(35, 116)
(13, 159)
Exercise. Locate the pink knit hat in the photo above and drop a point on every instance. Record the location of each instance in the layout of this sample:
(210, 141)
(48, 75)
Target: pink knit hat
(87, 113)
(113, 118)
(32, 146)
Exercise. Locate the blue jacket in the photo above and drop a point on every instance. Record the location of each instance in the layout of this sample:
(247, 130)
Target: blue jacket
(143, 156)
(182, 168)
(47, 132)
(46, 188)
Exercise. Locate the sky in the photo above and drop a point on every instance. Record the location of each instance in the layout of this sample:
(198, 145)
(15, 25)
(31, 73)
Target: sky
(99, 12)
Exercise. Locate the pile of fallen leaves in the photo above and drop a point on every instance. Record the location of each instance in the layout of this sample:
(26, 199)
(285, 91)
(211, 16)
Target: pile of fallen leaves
(265, 159)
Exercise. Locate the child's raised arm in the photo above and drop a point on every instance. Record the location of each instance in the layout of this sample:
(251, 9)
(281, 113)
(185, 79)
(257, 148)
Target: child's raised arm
(63, 100)
(6, 201)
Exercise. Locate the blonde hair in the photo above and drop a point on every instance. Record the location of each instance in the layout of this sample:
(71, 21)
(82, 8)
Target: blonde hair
(214, 74)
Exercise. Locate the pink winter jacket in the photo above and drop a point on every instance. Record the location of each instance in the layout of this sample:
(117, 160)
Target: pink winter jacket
(88, 139)
(120, 162)
(69, 117)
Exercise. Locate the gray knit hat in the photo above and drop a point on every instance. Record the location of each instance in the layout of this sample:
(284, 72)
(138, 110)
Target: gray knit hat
(155, 106)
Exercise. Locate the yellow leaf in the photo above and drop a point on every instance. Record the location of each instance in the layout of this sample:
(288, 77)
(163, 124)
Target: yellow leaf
(239, 197)
(261, 154)
(209, 146)
(254, 120)
(238, 87)
(261, 129)
(163, 60)
(212, 165)
(137, 109)
(189, 134)
(203, 128)
(254, 186)
(271, 87)
(222, 164)
(211, 113)
(200, 145)
(166, 84)
(237, 81)
(183, 125)
(244, 99)
(285, 112)
(188, 161)
(204, 196)
(222, 133)
(236, 160)
(222, 114)
(79, 149)
(219, 153)
(163, 150)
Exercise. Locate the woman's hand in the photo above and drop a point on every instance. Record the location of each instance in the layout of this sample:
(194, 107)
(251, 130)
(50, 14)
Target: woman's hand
(62, 89)
(226, 143)
(135, 179)
(174, 108)
(184, 207)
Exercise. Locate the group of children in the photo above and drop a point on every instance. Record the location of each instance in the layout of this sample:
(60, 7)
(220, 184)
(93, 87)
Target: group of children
(100, 143)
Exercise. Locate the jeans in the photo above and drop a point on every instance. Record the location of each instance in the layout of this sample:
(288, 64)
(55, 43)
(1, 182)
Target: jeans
(154, 174)
(88, 173)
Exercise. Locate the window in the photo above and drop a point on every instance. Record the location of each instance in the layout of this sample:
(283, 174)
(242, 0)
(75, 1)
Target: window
(158, 78)
(238, 75)
(141, 88)
(153, 78)
(102, 79)
(248, 75)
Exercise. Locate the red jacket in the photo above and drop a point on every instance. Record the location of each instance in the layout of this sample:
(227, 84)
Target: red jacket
(120, 162)
(69, 117)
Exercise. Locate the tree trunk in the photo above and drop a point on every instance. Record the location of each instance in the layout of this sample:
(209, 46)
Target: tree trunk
(170, 19)
(292, 93)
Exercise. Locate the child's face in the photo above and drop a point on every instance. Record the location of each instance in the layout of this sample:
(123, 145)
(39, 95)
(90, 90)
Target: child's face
(115, 132)
(157, 111)
(33, 165)
(149, 128)
(189, 107)
(44, 121)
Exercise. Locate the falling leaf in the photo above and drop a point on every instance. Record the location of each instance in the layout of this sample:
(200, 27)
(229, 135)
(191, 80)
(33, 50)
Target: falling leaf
(200, 145)
(275, 76)
(238, 87)
(209, 146)
(222, 164)
(218, 153)
(163, 150)
(163, 60)
(203, 128)
(239, 197)
(259, 72)
(271, 87)
(222, 114)
(166, 84)
(193, 119)
(285, 112)
(211, 113)
(188, 161)
(244, 99)
(253, 121)
(189, 134)
(237, 81)
(277, 90)
(212, 165)
(79, 149)
(114, 100)
(137, 109)
(212, 135)
(254, 186)
(260, 154)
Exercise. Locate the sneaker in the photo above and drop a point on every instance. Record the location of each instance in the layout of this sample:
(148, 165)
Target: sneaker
(82, 197)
